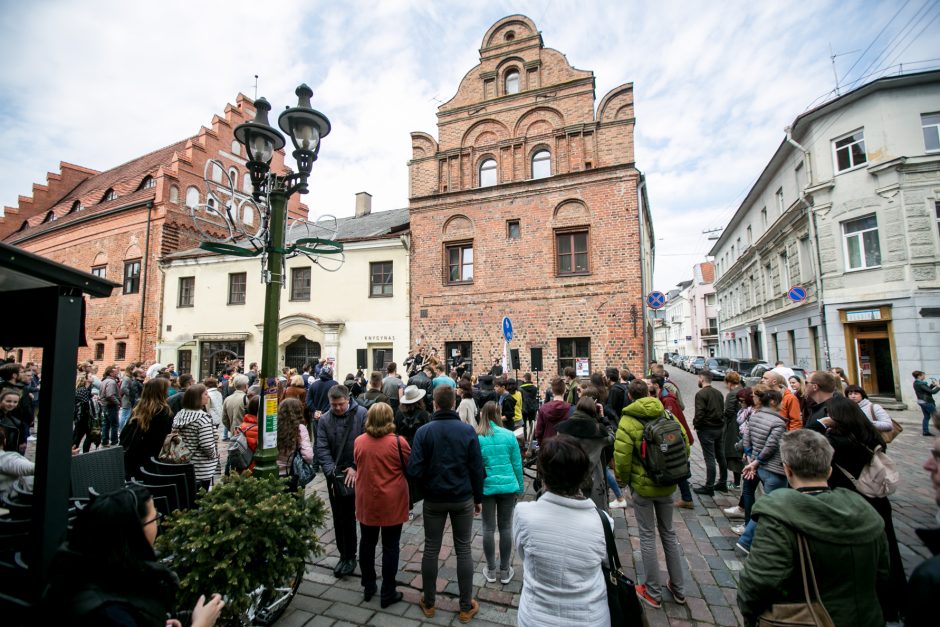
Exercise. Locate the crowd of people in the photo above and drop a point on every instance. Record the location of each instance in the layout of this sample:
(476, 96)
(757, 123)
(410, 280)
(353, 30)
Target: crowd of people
(458, 443)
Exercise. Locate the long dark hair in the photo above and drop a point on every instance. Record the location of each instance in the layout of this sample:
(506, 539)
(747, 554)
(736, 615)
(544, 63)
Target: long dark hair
(290, 415)
(851, 421)
(109, 532)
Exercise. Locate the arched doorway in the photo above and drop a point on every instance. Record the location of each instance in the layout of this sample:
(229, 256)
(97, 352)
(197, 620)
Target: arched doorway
(216, 354)
(300, 351)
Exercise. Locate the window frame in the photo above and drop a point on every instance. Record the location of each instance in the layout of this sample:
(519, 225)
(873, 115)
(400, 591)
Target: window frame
(99, 351)
(535, 157)
(133, 278)
(186, 197)
(109, 195)
(575, 353)
(860, 234)
(518, 80)
(391, 283)
(572, 232)
(295, 295)
(231, 279)
(836, 149)
(509, 227)
(495, 169)
(189, 291)
(935, 126)
(461, 245)
(778, 196)
(120, 351)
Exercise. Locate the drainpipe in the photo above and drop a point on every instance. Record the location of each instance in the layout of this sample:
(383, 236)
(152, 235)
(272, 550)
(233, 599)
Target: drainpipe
(640, 217)
(814, 234)
(144, 268)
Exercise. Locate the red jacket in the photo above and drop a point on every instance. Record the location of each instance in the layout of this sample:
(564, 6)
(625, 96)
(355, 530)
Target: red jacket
(381, 487)
(670, 403)
(251, 435)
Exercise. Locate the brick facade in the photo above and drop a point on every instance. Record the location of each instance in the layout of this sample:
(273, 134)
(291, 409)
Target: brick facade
(592, 189)
(72, 220)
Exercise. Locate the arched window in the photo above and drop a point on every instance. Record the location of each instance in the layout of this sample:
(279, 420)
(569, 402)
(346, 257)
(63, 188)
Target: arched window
(512, 82)
(248, 217)
(488, 173)
(147, 183)
(192, 197)
(216, 173)
(541, 164)
(233, 174)
(109, 195)
(211, 202)
(50, 217)
(174, 194)
(246, 184)
(236, 147)
(76, 206)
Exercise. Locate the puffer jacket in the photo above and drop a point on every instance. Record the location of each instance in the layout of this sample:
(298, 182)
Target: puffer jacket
(502, 462)
(762, 440)
(627, 447)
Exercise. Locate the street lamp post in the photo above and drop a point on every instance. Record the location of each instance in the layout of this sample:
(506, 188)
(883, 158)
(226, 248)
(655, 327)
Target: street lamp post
(305, 126)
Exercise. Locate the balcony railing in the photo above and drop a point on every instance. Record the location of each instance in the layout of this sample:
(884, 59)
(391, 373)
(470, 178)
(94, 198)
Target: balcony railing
(709, 331)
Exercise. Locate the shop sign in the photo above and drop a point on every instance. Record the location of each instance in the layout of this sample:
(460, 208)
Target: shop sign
(863, 315)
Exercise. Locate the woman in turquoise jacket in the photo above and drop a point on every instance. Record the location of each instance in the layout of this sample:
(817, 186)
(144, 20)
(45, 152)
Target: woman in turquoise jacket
(503, 463)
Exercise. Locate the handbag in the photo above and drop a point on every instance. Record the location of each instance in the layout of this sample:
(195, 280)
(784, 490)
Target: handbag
(809, 612)
(878, 478)
(624, 605)
(300, 472)
(414, 488)
(174, 450)
(896, 430)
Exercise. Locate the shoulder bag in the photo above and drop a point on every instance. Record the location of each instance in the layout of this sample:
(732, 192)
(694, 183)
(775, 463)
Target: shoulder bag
(878, 478)
(174, 450)
(809, 612)
(896, 430)
(414, 488)
(624, 605)
(300, 472)
(338, 480)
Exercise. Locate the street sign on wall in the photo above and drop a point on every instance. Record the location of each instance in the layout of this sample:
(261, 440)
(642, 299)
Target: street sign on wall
(656, 300)
(796, 294)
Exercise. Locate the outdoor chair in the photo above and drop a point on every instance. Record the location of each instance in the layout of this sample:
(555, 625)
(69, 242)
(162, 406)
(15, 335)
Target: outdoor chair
(189, 470)
(167, 491)
(18, 510)
(21, 494)
(102, 470)
(178, 481)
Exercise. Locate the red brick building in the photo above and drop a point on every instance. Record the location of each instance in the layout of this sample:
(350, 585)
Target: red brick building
(529, 205)
(119, 223)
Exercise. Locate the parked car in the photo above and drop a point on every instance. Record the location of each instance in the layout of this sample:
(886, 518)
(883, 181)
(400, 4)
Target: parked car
(744, 366)
(756, 373)
(667, 358)
(676, 360)
(696, 364)
(684, 364)
(717, 366)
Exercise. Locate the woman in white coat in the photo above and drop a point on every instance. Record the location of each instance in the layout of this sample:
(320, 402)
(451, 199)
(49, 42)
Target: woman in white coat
(561, 542)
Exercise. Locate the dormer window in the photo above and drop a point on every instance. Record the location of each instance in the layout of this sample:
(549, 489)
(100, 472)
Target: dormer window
(76, 206)
(109, 195)
(147, 183)
(50, 217)
(512, 82)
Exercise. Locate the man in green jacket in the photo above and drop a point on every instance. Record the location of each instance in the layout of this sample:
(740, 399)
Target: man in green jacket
(845, 535)
(650, 501)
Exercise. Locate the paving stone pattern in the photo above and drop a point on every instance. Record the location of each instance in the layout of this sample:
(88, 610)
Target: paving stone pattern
(704, 534)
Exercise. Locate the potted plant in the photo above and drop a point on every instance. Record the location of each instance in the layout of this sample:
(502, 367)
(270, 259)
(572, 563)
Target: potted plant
(248, 540)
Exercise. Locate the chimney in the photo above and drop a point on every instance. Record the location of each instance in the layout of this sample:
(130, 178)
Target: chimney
(363, 204)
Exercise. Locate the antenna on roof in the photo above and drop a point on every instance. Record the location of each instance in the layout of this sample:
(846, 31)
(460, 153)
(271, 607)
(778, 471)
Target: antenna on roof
(256, 86)
(713, 234)
(832, 57)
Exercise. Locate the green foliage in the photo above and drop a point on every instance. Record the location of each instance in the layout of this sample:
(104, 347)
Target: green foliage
(247, 532)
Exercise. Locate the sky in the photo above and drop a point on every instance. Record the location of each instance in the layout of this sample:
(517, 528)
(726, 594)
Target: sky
(100, 82)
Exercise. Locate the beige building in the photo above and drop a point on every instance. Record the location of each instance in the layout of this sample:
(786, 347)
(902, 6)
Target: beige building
(213, 306)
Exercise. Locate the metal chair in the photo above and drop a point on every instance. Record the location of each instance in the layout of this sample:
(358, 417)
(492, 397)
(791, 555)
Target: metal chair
(189, 470)
(102, 470)
(178, 481)
(18, 511)
(167, 491)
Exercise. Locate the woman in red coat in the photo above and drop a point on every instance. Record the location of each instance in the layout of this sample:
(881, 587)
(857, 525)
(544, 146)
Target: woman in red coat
(381, 499)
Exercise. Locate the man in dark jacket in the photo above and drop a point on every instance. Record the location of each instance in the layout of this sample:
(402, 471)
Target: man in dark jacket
(317, 396)
(617, 394)
(422, 379)
(820, 387)
(176, 401)
(337, 430)
(709, 422)
(923, 588)
(446, 460)
(845, 537)
(486, 391)
(530, 403)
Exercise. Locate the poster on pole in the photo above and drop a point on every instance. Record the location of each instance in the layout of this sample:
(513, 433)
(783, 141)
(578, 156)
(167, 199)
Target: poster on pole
(582, 367)
(270, 417)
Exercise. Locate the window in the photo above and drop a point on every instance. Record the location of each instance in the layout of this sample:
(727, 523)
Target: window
(109, 195)
(147, 183)
(187, 291)
(237, 283)
(210, 202)
(780, 206)
(120, 351)
(236, 147)
(300, 283)
(99, 351)
(936, 208)
(488, 173)
(216, 173)
(100, 271)
(459, 263)
(192, 197)
(710, 300)
(850, 151)
(380, 279)
(806, 260)
(184, 361)
(512, 82)
(784, 273)
(541, 164)
(574, 352)
(76, 206)
(800, 172)
(513, 230)
(132, 276)
(750, 235)
(174, 194)
(246, 184)
(768, 282)
(248, 217)
(763, 218)
(740, 248)
(930, 122)
(571, 252)
(233, 175)
(862, 249)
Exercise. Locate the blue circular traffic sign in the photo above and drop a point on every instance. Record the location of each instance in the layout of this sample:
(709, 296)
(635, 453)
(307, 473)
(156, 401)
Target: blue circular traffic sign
(656, 300)
(507, 328)
(797, 294)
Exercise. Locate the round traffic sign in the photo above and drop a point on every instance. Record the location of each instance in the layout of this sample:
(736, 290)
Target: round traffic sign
(656, 300)
(797, 294)
(507, 328)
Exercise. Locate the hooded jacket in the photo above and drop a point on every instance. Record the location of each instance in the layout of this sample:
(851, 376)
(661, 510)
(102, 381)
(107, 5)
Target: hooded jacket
(848, 548)
(548, 417)
(627, 447)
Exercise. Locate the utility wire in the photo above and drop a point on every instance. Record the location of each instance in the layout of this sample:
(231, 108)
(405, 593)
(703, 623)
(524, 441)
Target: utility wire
(899, 37)
(883, 28)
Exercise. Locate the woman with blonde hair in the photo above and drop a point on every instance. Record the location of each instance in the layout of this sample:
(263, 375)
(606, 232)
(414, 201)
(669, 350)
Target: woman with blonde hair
(296, 389)
(149, 424)
(381, 499)
(292, 434)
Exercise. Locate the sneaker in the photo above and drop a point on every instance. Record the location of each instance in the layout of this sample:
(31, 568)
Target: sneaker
(685, 504)
(738, 529)
(429, 610)
(489, 575)
(704, 491)
(741, 550)
(721, 487)
(618, 504)
(646, 598)
(678, 597)
(734, 512)
(466, 615)
(505, 576)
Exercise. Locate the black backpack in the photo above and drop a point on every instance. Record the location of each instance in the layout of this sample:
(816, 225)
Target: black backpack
(663, 451)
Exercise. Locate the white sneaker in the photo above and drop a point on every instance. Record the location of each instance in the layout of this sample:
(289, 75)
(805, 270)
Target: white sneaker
(488, 574)
(505, 576)
(738, 529)
(618, 504)
(734, 512)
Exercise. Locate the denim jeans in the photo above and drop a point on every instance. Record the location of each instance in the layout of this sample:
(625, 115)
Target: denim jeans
(391, 536)
(497, 514)
(928, 409)
(461, 522)
(771, 481)
(109, 428)
(713, 450)
(654, 513)
(612, 484)
(123, 415)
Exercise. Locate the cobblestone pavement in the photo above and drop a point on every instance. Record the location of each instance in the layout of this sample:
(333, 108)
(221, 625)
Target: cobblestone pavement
(704, 533)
